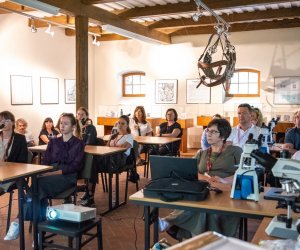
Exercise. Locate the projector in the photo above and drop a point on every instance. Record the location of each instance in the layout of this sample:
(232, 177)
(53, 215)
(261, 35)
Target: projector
(70, 212)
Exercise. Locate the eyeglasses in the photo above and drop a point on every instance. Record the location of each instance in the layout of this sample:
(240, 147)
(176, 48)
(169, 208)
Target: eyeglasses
(122, 123)
(5, 120)
(212, 132)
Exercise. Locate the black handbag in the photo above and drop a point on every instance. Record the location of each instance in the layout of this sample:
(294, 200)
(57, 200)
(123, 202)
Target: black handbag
(176, 188)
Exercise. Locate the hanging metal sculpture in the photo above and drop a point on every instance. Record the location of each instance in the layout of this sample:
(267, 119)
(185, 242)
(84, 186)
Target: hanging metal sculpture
(211, 72)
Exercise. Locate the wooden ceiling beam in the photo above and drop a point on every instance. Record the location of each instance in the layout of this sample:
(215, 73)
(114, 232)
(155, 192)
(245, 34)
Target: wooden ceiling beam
(238, 27)
(101, 37)
(187, 7)
(15, 7)
(232, 18)
(105, 17)
(90, 2)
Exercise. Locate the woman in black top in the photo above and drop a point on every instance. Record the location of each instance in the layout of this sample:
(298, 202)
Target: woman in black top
(170, 128)
(48, 131)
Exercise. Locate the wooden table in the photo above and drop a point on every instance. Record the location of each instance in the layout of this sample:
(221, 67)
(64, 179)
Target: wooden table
(153, 140)
(39, 149)
(260, 232)
(215, 203)
(17, 172)
(109, 122)
(86, 173)
(92, 151)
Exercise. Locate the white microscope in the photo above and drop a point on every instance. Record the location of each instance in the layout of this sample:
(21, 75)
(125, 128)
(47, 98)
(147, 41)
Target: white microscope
(245, 182)
(285, 226)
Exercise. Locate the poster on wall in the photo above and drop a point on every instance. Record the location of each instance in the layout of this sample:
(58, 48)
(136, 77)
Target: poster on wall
(49, 90)
(165, 91)
(21, 90)
(287, 90)
(70, 91)
(196, 95)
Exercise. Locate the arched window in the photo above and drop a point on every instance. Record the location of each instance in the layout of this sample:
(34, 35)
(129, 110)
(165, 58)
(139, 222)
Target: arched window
(133, 84)
(244, 83)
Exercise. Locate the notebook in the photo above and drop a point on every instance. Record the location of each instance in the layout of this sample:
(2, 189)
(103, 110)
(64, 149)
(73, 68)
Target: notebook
(162, 166)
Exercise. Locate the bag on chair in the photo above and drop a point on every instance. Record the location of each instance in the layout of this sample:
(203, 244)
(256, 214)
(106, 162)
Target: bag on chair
(176, 188)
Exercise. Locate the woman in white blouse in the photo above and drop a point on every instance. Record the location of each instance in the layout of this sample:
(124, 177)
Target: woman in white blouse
(140, 127)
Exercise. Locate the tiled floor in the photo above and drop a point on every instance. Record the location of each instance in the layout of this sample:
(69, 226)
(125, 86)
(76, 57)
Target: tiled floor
(122, 228)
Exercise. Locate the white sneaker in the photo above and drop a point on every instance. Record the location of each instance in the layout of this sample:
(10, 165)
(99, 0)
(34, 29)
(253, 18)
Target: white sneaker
(163, 225)
(13, 232)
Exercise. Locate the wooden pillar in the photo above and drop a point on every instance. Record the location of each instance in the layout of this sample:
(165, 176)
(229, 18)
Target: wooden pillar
(81, 24)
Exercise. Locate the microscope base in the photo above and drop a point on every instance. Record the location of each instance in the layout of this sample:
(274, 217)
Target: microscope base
(278, 229)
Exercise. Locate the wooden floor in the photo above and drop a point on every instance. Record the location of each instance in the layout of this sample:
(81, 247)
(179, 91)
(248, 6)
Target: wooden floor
(122, 228)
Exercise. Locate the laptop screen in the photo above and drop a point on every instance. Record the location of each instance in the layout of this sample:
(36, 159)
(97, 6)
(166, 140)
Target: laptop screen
(163, 166)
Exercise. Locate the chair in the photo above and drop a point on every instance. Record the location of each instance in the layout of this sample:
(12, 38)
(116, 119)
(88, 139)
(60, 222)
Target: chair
(11, 190)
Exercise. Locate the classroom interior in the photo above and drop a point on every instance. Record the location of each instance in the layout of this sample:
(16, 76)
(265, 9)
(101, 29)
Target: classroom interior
(273, 52)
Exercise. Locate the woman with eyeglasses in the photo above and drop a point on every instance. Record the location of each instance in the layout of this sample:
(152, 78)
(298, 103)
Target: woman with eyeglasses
(216, 165)
(13, 146)
(123, 139)
(48, 131)
(204, 143)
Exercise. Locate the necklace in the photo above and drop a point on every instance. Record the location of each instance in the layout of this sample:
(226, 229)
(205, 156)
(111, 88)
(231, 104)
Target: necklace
(115, 141)
(210, 160)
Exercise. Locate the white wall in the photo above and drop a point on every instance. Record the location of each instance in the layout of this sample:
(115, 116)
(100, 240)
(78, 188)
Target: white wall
(37, 55)
(273, 52)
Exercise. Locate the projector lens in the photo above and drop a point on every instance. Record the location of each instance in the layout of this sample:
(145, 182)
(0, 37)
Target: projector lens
(52, 214)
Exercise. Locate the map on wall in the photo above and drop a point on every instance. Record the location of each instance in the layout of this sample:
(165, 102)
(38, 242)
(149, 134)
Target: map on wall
(286, 90)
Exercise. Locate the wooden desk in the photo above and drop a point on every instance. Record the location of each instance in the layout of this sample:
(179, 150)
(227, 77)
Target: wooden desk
(260, 232)
(281, 127)
(92, 151)
(215, 203)
(17, 172)
(153, 140)
(204, 120)
(39, 149)
(86, 173)
(109, 122)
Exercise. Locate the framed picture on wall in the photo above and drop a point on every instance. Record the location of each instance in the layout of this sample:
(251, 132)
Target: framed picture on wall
(70, 90)
(287, 90)
(21, 90)
(49, 90)
(196, 95)
(166, 91)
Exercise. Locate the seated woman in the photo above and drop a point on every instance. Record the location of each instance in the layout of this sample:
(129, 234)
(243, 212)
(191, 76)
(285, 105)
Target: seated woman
(13, 147)
(216, 164)
(88, 130)
(21, 128)
(204, 143)
(256, 117)
(123, 139)
(170, 128)
(140, 127)
(66, 155)
(48, 131)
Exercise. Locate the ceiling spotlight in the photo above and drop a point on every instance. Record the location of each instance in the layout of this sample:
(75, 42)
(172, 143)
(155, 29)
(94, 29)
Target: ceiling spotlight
(32, 26)
(48, 30)
(197, 15)
(95, 42)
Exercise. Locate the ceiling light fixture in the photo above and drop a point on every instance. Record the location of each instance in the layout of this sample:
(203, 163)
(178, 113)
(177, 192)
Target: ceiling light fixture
(197, 15)
(48, 30)
(32, 26)
(38, 5)
(95, 42)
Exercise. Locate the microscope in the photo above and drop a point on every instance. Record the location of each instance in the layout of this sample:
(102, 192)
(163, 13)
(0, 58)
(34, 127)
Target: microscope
(245, 182)
(288, 196)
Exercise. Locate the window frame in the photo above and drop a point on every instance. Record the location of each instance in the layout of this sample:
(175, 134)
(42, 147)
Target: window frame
(134, 73)
(227, 94)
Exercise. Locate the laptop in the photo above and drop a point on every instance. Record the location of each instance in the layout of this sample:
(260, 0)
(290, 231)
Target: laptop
(163, 166)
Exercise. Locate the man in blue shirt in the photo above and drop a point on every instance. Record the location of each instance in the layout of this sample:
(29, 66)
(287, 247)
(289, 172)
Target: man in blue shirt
(292, 136)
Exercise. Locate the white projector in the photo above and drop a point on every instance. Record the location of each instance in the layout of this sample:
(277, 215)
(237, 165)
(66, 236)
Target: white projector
(70, 212)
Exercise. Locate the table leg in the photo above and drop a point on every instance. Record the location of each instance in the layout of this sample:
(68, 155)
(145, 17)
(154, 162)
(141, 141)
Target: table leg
(110, 177)
(155, 211)
(117, 190)
(35, 201)
(147, 227)
(21, 216)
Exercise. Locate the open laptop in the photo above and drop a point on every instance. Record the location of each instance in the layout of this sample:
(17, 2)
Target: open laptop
(162, 166)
